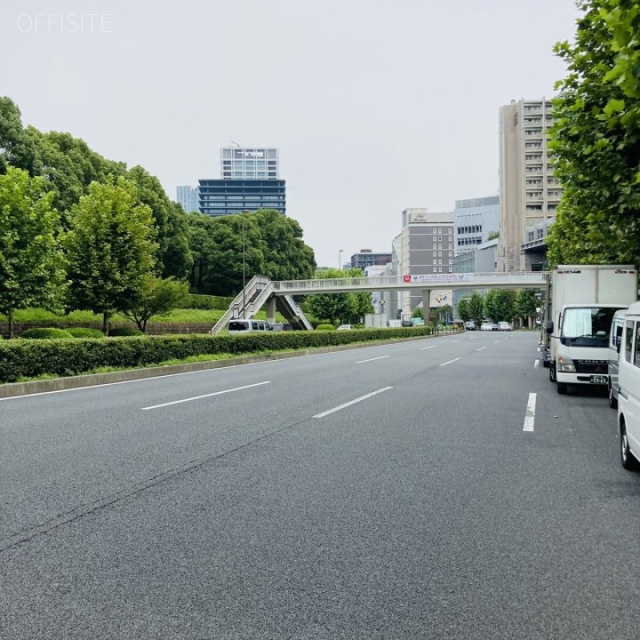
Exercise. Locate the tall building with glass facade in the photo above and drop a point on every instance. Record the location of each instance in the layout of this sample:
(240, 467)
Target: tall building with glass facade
(224, 197)
(249, 181)
(238, 163)
(474, 220)
(188, 198)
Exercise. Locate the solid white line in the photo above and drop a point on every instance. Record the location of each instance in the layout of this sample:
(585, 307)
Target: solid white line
(444, 364)
(481, 348)
(531, 413)
(372, 359)
(208, 395)
(433, 346)
(348, 404)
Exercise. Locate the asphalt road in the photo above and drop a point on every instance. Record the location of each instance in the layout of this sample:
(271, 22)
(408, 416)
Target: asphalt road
(436, 488)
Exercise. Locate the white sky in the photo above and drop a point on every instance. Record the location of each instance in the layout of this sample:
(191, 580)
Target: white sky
(375, 105)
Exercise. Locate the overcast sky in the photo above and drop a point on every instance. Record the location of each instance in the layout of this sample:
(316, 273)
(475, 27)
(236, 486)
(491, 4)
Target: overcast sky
(375, 105)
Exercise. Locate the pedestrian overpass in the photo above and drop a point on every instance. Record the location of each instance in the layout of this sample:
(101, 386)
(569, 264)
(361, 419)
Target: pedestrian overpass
(279, 295)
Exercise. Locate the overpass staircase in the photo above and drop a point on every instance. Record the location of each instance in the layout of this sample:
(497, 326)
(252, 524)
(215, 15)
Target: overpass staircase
(258, 292)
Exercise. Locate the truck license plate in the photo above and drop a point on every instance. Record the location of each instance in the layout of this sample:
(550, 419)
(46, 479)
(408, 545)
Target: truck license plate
(599, 379)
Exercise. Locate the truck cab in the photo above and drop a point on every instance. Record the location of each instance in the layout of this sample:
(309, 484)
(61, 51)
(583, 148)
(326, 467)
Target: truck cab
(579, 345)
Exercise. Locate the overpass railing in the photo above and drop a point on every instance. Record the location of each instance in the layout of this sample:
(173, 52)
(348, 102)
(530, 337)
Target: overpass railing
(523, 279)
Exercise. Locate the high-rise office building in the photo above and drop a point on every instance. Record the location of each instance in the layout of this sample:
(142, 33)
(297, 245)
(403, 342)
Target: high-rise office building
(239, 163)
(249, 181)
(529, 192)
(223, 197)
(188, 198)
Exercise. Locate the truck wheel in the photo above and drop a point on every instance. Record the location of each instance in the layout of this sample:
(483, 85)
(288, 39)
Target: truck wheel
(613, 401)
(552, 371)
(562, 387)
(626, 457)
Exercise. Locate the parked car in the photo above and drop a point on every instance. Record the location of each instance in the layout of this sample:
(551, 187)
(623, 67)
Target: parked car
(487, 325)
(344, 327)
(242, 325)
(470, 325)
(504, 326)
(629, 390)
(615, 340)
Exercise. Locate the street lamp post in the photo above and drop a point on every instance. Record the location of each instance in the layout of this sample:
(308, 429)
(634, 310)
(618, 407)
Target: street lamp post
(244, 266)
(340, 259)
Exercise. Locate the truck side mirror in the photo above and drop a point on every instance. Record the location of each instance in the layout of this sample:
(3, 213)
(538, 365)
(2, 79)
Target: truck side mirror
(548, 327)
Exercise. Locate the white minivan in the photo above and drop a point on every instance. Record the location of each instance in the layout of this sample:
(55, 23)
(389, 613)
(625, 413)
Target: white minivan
(240, 325)
(629, 390)
(615, 340)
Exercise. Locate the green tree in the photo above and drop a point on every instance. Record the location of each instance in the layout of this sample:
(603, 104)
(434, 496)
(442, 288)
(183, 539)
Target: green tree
(286, 256)
(476, 308)
(526, 303)
(177, 259)
(16, 147)
(173, 255)
(463, 310)
(272, 246)
(339, 307)
(499, 304)
(70, 166)
(595, 138)
(156, 296)
(110, 248)
(31, 264)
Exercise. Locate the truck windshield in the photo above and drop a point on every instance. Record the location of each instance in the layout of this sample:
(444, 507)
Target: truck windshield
(587, 326)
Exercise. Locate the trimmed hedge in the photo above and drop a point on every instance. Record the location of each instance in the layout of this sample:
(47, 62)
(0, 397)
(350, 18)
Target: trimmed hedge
(46, 333)
(84, 332)
(325, 327)
(118, 332)
(21, 359)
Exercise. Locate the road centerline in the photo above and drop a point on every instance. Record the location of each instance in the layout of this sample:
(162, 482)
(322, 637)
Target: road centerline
(206, 395)
(444, 364)
(348, 404)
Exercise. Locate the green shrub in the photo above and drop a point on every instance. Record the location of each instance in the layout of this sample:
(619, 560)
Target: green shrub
(45, 334)
(20, 359)
(325, 327)
(118, 332)
(85, 332)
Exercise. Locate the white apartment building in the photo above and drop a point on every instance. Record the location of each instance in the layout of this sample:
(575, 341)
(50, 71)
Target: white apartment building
(529, 192)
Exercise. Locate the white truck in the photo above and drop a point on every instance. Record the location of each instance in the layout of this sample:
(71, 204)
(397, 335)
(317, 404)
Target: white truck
(580, 303)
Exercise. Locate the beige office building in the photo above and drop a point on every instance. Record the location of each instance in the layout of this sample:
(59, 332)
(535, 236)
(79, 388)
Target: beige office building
(426, 247)
(529, 192)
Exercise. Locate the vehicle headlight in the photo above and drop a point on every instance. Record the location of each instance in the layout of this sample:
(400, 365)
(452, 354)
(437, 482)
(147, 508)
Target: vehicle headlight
(566, 366)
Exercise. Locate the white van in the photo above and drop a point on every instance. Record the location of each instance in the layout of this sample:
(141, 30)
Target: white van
(615, 340)
(629, 390)
(241, 325)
